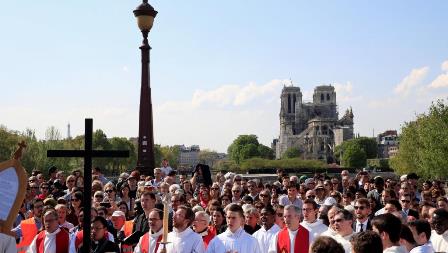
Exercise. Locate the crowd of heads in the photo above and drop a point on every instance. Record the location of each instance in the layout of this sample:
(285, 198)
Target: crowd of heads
(229, 200)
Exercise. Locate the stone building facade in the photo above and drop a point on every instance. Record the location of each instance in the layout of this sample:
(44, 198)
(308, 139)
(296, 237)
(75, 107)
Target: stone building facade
(313, 127)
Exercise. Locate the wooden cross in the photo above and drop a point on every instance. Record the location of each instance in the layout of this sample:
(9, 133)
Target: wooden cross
(87, 154)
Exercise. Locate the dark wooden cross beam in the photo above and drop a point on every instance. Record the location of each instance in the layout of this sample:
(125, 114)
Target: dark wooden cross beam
(87, 154)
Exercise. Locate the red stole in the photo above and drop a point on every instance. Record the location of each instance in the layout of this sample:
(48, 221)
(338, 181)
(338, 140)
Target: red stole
(301, 242)
(79, 238)
(211, 233)
(145, 243)
(62, 242)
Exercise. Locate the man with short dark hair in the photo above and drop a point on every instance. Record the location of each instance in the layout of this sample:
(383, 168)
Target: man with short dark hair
(366, 242)
(268, 229)
(379, 187)
(291, 197)
(439, 236)
(100, 242)
(234, 239)
(149, 242)
(183, 239)
(253, 190)
(405, 201)
(343, 222)
(388, 226)
(97, 172)
(362, 213)
(421, 231)
(147, 200)
(310, 220)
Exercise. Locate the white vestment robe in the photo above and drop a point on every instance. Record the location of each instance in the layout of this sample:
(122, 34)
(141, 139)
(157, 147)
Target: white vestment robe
(186, 241)
(345, 241)
(50, 243)
(264, 237)
(439, 242)
(316, 228)
(425, 248)
(152, 242)
(292, 239)
(238, 242)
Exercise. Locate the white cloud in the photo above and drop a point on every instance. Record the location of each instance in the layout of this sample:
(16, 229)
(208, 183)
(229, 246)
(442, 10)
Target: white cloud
(236, 95)
(410, 81)
(445, 66)
(441, 81)
(344, 92)
(125, 68)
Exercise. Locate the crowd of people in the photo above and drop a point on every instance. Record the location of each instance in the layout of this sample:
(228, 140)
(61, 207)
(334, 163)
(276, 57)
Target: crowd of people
(227, 212)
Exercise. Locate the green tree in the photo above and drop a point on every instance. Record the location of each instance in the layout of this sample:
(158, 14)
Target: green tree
(8, 143)
(119, 165)
(293, 152)
(171, 153)
(265, 152)
(369, 145)
(424, 144)
(354, 156)
(247, 146)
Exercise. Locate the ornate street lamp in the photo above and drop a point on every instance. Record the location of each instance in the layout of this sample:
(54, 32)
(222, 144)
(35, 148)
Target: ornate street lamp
(145, 15)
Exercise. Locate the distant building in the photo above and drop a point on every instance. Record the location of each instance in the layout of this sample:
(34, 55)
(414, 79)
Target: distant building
(313, 127)
(188, 156)
(388, 143)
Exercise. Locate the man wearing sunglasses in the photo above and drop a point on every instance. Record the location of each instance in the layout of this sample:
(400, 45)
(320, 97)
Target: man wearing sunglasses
(405, 202)
(362, 213)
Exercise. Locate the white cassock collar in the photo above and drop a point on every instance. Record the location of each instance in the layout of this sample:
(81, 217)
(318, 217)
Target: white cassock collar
(52, 234)
(236, 234)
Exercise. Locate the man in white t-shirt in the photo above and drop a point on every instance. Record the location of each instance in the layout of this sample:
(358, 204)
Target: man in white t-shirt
(166, 169)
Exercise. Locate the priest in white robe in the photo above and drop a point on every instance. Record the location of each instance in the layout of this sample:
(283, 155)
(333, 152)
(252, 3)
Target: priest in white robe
(294, 237)
(183, 239)
(310, 221)
(149, 242)
(52, 237)
(268, 230)
(234, 239)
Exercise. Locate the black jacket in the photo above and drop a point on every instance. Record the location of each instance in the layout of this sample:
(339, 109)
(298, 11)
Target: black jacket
(101, 246)
(355, 225)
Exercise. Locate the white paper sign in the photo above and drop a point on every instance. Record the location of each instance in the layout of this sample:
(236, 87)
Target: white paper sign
(9, 186)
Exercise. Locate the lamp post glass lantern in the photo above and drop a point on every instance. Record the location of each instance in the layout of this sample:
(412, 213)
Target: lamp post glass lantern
(145, 15)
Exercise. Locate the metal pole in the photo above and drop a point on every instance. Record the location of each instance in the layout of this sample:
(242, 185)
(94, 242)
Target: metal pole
(145, 161)
(87, 183)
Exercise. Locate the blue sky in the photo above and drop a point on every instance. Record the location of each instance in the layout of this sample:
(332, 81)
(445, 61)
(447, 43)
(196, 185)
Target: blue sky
(217, 67)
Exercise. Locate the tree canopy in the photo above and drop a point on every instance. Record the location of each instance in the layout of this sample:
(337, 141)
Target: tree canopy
(423, 147)
(355, 152)
(247, 146)
(35, 156)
